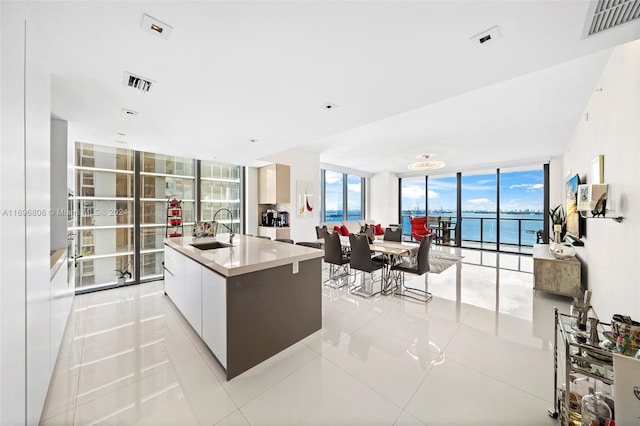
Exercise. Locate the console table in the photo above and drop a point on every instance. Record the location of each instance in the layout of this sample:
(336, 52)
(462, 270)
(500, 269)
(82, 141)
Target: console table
(555, 275)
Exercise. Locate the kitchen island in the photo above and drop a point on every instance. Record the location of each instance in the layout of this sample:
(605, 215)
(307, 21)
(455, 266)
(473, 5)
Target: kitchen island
(247, 301)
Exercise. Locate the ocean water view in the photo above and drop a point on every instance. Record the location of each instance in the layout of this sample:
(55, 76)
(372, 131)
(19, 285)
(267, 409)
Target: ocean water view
(515, 228)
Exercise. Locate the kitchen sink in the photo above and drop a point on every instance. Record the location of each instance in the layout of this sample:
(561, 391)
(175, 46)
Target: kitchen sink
(210, 245)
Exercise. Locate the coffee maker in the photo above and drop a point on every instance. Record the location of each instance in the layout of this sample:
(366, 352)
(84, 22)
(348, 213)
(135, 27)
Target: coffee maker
(269, 218)
(284, 218)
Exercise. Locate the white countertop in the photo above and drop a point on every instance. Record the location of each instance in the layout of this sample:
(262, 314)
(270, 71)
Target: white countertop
(247, 254)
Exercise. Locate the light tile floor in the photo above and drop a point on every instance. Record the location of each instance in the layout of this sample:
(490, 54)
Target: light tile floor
(480, 353)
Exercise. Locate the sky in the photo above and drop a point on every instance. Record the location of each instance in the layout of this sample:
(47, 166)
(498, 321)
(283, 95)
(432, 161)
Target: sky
(520, 190)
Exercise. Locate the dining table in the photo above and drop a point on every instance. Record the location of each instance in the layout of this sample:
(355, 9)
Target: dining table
(392, 252)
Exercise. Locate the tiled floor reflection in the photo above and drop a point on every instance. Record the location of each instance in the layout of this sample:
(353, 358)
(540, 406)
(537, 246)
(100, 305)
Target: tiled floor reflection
(480, 353)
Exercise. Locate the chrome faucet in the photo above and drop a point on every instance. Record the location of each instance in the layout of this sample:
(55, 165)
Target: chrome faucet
(231, 234)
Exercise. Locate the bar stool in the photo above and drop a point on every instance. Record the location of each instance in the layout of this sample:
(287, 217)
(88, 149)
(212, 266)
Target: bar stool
(309, 244)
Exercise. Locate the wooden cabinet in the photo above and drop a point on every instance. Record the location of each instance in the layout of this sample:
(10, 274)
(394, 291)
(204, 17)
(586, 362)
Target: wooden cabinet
(555, 275)
(274, 184)
(274, 232)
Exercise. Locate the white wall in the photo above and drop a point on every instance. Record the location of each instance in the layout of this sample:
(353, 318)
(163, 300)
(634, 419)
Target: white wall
(305, 166)
(24, 249)
(383, 199)
(611, 249)
(12, 227)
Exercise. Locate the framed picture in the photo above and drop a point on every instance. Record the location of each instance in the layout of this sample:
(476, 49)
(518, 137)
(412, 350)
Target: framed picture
(597, 169)
(573, 219)
(306, 198)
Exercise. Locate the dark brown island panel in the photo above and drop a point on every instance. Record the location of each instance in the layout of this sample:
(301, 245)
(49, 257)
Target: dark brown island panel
(248, 301)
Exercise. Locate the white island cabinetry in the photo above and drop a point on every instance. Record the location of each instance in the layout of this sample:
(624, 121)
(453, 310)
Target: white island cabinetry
(214, 313)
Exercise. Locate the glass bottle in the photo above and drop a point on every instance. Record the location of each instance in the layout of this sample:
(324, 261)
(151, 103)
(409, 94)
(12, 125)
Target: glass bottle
(594, 410)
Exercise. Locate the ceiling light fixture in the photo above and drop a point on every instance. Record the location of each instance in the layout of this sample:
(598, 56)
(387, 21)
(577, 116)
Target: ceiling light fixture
(253, 140)
(129, 112)
(329, 106)
(425, 164)
(155, 27)
(484, 37)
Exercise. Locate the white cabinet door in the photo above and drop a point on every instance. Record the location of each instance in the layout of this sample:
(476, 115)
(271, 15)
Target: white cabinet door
(214, 313)
(174, 264)
(192, 308)
(59, 311)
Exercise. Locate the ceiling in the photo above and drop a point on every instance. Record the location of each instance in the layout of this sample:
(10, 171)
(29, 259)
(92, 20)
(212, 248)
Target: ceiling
(404, 78)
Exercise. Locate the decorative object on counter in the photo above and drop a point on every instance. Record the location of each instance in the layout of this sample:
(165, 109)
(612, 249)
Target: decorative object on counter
(205, 229)
(580, 312)
(593, 331)
(174, 226)
(558, 217)
(623, 325)
(559, 250)
(123, 274)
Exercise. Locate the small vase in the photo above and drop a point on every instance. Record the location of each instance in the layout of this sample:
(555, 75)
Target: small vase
(559, 250)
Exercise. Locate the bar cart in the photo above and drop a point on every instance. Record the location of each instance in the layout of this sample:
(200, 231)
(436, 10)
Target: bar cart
(585, 356)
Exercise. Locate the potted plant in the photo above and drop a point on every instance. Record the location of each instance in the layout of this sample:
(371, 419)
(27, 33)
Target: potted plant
(558, 217)
(123, 274)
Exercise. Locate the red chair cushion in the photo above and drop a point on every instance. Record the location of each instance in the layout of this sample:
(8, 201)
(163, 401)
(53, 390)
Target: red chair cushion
(378, 230)
(345, 231)
(337, 230)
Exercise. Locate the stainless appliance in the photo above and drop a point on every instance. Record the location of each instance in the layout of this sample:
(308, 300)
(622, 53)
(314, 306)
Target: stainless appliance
(269, 218)
(284, 218)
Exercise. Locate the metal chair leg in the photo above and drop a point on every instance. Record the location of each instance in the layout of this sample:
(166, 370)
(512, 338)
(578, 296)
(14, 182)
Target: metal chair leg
(413, 293)
(336, 276)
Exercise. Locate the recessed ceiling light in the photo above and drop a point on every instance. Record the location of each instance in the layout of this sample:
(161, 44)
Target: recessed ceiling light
(120, 142)
(484, 37)
(329, 106)
(253, 140)
(155, 27)
(129, 112)
(121, 134)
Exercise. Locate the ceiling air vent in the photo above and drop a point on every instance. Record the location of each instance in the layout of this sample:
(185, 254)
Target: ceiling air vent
(138, 82)
(611, 13)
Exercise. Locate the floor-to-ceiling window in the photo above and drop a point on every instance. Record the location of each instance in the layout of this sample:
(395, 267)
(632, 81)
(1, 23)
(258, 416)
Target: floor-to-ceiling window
(479, 210)
(413, 200)
(501, 209)
(521, 207)
(220, 187)
(162, 177)
(342, 196)
(105, 200)
(104, 219)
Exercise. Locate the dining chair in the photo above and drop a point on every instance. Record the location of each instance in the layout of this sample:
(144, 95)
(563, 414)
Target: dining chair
(361, 261)
(320, 231)
(337, 260)
(419, 227)
(393, 234)
(284, 240)
(419, 267)
(311, 244)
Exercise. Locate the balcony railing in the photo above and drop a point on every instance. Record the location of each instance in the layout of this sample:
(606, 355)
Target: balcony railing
(513, 231)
